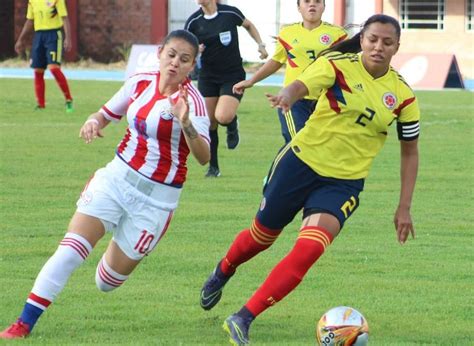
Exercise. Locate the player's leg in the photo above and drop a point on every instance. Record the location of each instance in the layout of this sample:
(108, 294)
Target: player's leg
(39, 63)
(136, 235)
(54, 50)
(226, 110)
(326, 210)
(280, 203)
(210, 90)
(83, 233)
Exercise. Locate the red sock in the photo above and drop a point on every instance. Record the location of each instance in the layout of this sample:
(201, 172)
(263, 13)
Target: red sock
(310, 245)
(62, 82)
(39, 88)
(247, 244)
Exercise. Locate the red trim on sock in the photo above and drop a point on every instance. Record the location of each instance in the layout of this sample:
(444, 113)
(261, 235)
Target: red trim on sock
(39, 300)
(62, 82)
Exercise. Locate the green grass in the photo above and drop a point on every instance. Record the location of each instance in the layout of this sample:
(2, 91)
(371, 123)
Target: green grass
(417, 294)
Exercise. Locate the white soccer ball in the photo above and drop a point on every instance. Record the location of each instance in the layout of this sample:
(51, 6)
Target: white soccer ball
(342, 326)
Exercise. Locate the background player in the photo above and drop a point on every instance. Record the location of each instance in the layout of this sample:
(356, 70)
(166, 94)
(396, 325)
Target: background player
(215, 25)
(47, 18)
(136, 194)
(297, 46)
(323, 169)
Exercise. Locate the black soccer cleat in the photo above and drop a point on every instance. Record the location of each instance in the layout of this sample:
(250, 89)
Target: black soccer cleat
(211, 292)
(213, 172)
(233, 137)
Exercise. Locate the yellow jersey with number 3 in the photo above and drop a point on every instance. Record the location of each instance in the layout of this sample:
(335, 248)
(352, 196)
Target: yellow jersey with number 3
(298, 47)
(354, 111)
(46, 14)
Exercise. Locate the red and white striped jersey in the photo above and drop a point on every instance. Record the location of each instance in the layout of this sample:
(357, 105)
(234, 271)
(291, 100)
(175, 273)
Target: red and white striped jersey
(154, 144)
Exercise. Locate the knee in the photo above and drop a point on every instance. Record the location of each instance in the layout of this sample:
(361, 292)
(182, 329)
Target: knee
(106, 278)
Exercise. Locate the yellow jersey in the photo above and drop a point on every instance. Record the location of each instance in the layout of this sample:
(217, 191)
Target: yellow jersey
(354, 111)
(46, 14)
(298, 47)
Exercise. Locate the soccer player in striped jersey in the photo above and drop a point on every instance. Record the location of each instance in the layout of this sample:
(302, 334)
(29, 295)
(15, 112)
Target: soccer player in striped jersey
(297, 46)
(323, 169)
(135, 195)
(47, 18)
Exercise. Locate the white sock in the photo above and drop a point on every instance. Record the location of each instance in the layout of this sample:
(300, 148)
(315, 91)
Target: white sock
(72, 251)
(106, 278)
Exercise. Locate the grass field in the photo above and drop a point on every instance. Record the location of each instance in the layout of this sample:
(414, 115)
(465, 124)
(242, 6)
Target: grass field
(417, 294)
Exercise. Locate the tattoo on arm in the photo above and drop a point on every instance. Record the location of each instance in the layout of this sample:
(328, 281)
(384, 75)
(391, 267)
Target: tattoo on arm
(190, 131)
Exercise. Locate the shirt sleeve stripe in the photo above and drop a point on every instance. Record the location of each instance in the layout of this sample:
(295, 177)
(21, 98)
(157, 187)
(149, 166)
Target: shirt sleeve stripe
(109, 114)
(403, 105)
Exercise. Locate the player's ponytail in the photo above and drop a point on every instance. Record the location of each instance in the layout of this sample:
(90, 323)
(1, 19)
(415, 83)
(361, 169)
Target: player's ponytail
(352, 45)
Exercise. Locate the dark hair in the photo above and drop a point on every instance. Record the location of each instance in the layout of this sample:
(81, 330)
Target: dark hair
(183, 35)
(298, 2)
(352, 45)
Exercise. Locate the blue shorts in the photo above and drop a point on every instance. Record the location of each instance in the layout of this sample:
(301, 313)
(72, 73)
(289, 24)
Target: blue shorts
(47, 48)
(292, 185)
(295, 118)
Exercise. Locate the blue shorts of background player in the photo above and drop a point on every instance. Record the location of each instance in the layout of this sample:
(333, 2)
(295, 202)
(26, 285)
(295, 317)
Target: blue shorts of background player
(47, 48)
(292, 185)
(294, 120)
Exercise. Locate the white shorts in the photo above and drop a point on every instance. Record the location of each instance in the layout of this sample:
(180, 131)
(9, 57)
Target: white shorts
(136, 209)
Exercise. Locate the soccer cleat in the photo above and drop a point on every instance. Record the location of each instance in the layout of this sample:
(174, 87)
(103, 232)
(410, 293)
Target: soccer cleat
(17, 330)
(238, 330)
(233, 137)
(211, 292)
(69, 107)
(39, 108)
(213, 172)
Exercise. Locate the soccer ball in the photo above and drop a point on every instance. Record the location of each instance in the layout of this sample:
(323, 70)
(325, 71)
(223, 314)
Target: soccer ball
(342, 326)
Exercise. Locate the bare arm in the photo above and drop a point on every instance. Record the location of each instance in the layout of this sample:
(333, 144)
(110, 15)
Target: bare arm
(92, 128)
(269, 68)
(27, 28)
(288, 95)
(197, 145)
(253, 32)
(408, 173)
(67, 34)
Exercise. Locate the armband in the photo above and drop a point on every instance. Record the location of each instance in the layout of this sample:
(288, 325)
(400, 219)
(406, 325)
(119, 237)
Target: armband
(408, 131)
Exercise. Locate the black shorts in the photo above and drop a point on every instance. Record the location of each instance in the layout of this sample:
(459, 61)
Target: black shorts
(218, 86)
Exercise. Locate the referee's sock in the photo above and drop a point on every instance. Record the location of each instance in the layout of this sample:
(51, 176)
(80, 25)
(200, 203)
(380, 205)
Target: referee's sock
(310, 245)
(213, 134)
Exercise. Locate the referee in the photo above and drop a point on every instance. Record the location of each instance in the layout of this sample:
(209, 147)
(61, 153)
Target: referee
(215, 25)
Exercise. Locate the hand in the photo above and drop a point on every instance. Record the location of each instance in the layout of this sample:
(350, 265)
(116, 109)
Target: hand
(279, 101)
(180, 109)
(19, 47)
(403, 224)
(241, 86)
(263, 52)
(90, 130)
(67, 44)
